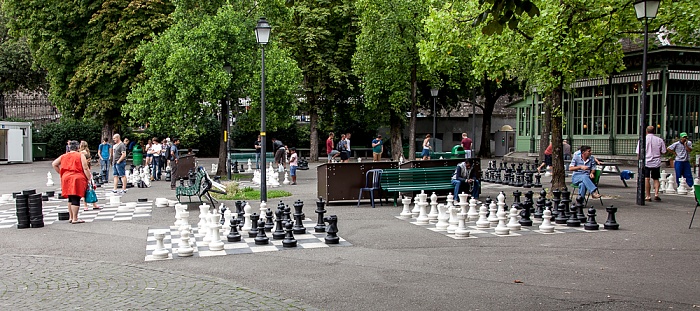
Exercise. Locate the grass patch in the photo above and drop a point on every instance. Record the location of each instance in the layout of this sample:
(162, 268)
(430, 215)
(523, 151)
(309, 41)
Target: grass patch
(234, 192)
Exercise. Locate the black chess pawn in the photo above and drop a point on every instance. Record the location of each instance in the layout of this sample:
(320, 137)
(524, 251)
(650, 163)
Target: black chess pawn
(269, 224)
(528, 180)
(235, 167)
(538, 183)
(320, 210)
(280, 206)
(286, 216)
(611, 223)
(516, 200)
(299, 218)
(261, 238)
(573, 218)
(233, 234)
(561, 213)
(289, 240)
(239, 207)
(253, 225)
(332, 236)
(548, 205)
(279, 226)
(580, 213)
(591, 224)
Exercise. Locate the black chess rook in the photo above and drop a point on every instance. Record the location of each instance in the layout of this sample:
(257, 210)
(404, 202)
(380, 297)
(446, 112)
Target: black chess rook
(611, 223)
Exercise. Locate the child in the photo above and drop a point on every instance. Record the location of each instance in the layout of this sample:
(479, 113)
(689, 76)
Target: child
(293, 165)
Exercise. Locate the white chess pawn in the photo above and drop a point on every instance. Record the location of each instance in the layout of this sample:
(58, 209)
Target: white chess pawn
(514, 225)
(49, 182)
(160, 252)
(178, 210)
(681, 187)
(433, 214)
(546, 226)
(286, 179)
(443, 218)
(493, 217)
(483, 222)
(423, 215)
(184, 220)
(462, 230)
(359, 160)
(406, 213)
(671, 185)
(263, 209)
(502, 228)
(472, 214)
(249, 166)
(247, 225)
(184, 249)
(450, 199)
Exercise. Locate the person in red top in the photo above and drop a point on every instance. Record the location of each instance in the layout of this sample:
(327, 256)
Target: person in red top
(73, 168)
(329, 147)
(467, 146)
(547, 158)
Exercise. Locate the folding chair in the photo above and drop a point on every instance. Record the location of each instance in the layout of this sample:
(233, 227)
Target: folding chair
(596, 179)
(372, 179)
(697, 202)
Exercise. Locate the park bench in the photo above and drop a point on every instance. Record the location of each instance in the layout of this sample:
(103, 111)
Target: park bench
(416, 179)
(201, 187)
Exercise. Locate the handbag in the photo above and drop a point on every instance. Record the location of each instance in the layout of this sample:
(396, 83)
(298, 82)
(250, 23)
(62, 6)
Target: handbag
(90, 195)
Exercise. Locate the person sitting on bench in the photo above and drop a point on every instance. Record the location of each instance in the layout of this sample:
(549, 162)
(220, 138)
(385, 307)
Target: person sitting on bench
(467, 177)
(583, 165)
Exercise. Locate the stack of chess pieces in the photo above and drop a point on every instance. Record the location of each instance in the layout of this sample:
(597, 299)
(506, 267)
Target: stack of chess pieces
(453, 217)
(244, 221)
(512, 174)
(667, 184)
(272, 177)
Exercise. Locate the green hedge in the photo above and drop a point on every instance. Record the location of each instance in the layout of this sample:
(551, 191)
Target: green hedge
(56, 134)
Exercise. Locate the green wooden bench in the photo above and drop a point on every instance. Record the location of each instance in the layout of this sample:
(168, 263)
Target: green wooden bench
(416, 179)
(199, 188)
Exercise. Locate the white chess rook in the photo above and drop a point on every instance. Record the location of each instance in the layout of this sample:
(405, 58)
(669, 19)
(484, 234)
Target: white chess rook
(461, 230)
(214, 225)
(406, 212)
(160, 252)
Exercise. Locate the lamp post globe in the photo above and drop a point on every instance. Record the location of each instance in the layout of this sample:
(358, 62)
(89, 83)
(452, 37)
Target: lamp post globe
(262, 35)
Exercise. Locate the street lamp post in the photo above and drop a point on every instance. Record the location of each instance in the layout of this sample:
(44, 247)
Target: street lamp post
(262, 35)
(646, 10)
(227, 135)
(434, 93)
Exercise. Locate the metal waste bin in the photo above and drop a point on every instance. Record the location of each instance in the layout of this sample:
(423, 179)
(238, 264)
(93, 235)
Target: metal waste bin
(38, 150)
(458, 151)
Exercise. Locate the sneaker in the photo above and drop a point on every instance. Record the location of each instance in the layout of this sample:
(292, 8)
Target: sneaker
(125, 190)
(114, 191)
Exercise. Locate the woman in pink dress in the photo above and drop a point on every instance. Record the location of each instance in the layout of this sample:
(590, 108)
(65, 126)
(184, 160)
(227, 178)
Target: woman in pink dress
(73, 168)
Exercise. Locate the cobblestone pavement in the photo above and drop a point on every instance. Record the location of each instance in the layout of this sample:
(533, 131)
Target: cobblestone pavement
(56, 283)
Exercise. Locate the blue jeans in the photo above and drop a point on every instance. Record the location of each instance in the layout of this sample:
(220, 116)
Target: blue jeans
(683, 168)
(104, 167)
(156, 167)
(119, 169)
(475, 189)
(293, 170)
(257, 160)
(584, 183)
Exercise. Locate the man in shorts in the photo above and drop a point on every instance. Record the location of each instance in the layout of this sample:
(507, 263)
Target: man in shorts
(377, 148)
(655, 146)
(119, 163)
(332, 153)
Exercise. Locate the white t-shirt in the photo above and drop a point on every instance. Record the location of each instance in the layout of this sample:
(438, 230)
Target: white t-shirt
(157, 149)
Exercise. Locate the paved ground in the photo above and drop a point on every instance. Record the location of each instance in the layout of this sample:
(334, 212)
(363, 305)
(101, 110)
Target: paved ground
(650, 264)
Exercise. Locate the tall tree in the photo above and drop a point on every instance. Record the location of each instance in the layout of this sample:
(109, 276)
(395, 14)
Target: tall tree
(388, 63)
(196, 47)
(320, 36)
(88, 48)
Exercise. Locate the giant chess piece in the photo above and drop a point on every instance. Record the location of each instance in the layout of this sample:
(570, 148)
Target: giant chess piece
(263, 209)
(493, 216)
(433, 214)
(184, 220)
(49, 182)
(573, 218)
(406, 212)
(321, 209)
(203, 214)
(160, 252)
(483, 221)
(539, 206)
(443, 218)
(671, 185)
(502, 228)
(546, 226)
(422, 218)
(184, 249)
(681, 186)
(247, 223)
(461, 230)
(289, 240)
(214, 225)
(525, 212)
(415, 212)
(513, 225)
(472, 214)
(332, 231)
(537, 184)
(233, 235)
(261, 238)
(299, 218)
(611, 223)
(279, 226)
(253, 232)
(591, 224)
(269, 224)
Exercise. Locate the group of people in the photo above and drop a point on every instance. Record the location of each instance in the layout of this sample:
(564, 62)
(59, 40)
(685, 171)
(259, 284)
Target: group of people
(342, 149)
(281, 153)
(654, 148)
(161, 155)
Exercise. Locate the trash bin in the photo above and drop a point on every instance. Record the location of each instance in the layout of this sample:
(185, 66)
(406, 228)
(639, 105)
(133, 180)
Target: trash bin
(137, 155)
(458, 151)
(38, 150)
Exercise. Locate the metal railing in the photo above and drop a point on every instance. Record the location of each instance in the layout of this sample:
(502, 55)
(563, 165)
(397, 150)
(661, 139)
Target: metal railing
(32, 106)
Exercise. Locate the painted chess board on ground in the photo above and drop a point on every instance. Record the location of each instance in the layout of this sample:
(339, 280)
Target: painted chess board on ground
(475, 232)
(246, 246)
(8, 217)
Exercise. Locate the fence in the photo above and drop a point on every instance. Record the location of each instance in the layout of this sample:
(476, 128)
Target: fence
(32, 106)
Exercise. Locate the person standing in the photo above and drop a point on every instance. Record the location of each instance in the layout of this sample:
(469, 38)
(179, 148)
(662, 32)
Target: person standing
(258, 149)
(293, 165)
(566, 148)
(655, 146)
(584, 165)
(547, 158)
(332, 153)
(426, 148)
(280, 151)
(466, 175)
(104, 151)
(467, 146)
(681, 164)
(175, 158)
(119, 163)
(343, 149)
(347, 144)
(84, 149)
(156, 151)
(74, 172)
(377, 148)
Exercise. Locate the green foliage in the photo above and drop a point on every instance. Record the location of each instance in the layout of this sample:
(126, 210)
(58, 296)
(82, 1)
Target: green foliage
(16, 62)
(234, 192)
(56, 134)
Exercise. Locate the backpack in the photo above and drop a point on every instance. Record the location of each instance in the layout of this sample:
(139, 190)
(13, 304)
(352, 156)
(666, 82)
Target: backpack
(168, 153)
(341, 145)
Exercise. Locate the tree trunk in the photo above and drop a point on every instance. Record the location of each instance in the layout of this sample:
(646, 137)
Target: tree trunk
(546, 126)
(412, 124)
(396, 147)
(107, 129)
(490, 99)
(558, 178)
(313, 149)
(221, 171)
